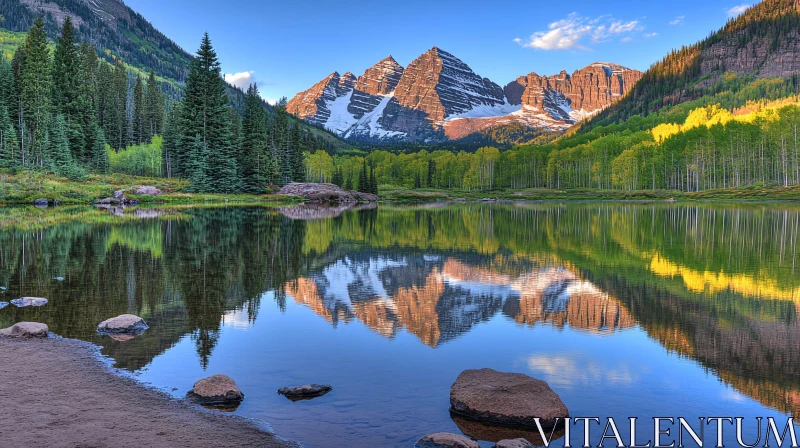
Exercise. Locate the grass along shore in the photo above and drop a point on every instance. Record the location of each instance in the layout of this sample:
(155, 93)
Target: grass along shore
(25, 187)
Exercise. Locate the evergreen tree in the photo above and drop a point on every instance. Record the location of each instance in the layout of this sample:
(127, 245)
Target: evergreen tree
(67, 88)
(297, 155)
(138, 124)
(61, 161)
(35, 85)
(205, 115)
(8, 140)
(347, 184)
(363, 181)
(100, 161)
(153, 108)
(337, 177)
(373, 182)
(255, 154)
(196, 166)
(7, 91)
(282, 143)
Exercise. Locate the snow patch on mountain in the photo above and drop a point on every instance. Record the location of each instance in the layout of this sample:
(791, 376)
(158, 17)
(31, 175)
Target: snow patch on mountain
(487, 111)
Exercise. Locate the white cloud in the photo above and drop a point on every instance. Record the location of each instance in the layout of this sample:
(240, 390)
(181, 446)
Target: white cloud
(241, 80)
(625, 40)
(650, 35)
(736, 10)
(678, 20)
(571, 32)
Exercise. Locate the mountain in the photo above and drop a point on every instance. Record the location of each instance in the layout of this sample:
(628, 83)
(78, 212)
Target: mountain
(438, 98)
(760, 45)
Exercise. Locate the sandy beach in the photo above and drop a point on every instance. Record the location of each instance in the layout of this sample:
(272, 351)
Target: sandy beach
(57, 393)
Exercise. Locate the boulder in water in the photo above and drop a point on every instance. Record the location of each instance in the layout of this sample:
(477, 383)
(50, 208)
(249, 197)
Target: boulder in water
(26, 330)
(124, 324)
(445, 440)
(29, 301)
(3, 305)
(306, 392)
(41, 202)
(328, 193)
(506, 399)
(216, 390)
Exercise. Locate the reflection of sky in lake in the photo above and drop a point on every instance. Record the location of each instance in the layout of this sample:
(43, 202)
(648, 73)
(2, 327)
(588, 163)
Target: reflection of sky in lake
(389, 392)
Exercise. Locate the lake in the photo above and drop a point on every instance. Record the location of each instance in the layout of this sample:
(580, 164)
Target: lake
(625, 309)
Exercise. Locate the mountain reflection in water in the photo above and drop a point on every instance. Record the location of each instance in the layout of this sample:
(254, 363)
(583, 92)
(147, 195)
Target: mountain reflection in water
(712, 285)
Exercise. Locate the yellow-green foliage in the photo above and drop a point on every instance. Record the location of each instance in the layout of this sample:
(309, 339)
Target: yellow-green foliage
(139, 160)
(10, 41)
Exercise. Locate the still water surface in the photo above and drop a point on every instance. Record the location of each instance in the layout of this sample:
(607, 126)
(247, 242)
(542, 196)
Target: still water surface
(624, 309)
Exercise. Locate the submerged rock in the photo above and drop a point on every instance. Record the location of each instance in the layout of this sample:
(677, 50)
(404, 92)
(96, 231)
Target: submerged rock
(58, 279)
(109, 201)
(505, 399)
(29, 301)
(125, 324)
(306, 392)
(216, 390)
(445, 440)
(41, 202)
(26, 330)
(513, 443)
(491, 432)
(3, 305)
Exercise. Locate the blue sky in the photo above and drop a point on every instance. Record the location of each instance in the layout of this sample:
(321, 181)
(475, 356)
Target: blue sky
(288, 45)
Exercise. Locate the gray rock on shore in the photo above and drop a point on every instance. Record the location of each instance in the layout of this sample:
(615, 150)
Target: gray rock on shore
(25, 330)
(305, 392)
(514, 443)
(445, 440)
(126, 324)
(29, 301)
(216, 390)
(506, 399)
(325, 193)
(147, 190)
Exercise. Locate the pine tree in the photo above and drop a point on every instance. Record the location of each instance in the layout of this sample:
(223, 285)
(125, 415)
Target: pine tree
(255, 155)
(337, 177)
(205, 114)
(100, 161)
(67, 88)
(138, 125)
(373, 182)
(363, 182)
(35, 86)
(61, 161)
(154, 108)
(297, 155)
(7, 90)
(195, 168)
(8, 140)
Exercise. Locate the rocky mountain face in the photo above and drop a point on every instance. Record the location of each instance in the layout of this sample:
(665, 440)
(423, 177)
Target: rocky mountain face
(438, 97)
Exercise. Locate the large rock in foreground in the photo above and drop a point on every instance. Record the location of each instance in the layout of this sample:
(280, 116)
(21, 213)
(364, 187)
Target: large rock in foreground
(127, 324)
(445, 440)
(306, 392)
(26, 330)
(514, 443)
(506, 399)
(29, 301)
(325, 193)
(216, 390)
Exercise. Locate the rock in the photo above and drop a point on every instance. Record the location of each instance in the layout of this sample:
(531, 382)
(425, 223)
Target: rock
(494, 433)
(58, 279)
(325, 193)
(40, 202)
(306, 392)
(147, 190)
(29, 301)
(514, 443)
(3, 288)
(445, 440)
(672, 200)
(119, 195)
(3, 305)
(124, 324)
(26, 330)
(107, 201)
(216, 390)
(505, 398)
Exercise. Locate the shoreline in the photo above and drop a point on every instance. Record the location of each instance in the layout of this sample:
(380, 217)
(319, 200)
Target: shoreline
(58, 392)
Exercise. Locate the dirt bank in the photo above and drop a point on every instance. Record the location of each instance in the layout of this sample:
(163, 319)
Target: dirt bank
(56, 393)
